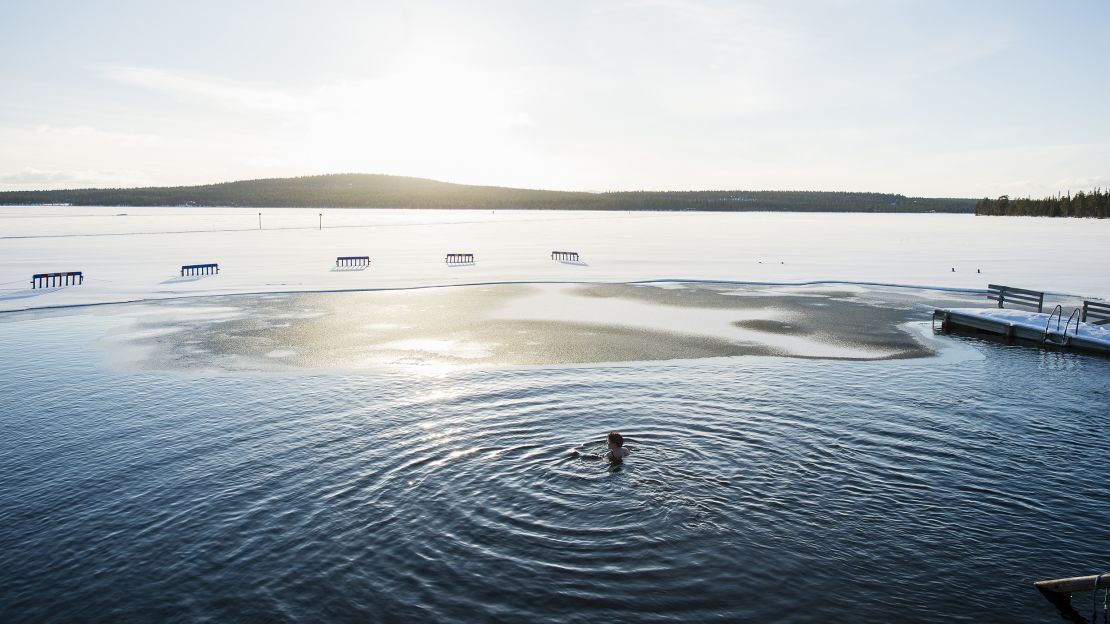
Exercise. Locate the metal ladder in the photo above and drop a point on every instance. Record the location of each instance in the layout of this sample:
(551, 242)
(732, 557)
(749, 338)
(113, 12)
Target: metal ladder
(1056, 338)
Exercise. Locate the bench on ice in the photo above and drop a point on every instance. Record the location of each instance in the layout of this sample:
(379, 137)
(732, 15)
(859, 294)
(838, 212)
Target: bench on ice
(1095, 313)
(199, 269)
(44, 280)
(345, 261)
(572, 256)
(1016, 296)
(460, 258)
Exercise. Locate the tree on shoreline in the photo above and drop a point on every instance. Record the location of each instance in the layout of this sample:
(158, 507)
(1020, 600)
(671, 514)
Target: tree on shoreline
(1095, 204)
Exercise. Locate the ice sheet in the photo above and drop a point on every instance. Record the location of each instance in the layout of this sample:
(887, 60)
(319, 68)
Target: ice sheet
(138, 256)
(560, 305)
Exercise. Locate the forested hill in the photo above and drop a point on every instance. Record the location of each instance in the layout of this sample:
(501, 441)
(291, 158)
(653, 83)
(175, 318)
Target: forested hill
(1094, 204)
(382, 191)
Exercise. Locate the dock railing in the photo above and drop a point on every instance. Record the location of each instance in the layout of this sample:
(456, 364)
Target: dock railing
(1095, 313)
(1017, 296)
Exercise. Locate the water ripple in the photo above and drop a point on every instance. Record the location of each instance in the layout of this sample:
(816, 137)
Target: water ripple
(757, 490)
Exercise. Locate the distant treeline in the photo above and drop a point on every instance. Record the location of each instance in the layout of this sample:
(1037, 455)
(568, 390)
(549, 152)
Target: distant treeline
(1094, 204)
(382, 191)
(783, 201)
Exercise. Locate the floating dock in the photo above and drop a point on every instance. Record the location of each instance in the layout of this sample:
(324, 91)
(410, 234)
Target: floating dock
(1085, 329)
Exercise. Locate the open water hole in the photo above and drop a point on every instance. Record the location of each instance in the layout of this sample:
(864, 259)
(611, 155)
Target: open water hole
(759, 489)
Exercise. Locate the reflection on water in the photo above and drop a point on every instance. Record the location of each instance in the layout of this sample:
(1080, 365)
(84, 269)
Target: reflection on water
(760, 489)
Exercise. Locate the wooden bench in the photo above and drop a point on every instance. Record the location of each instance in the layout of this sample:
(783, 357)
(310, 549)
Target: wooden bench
(352, 261)
(199, 269)
(460, 258)
(1095, 313)
(44, 280)
(572, 256)
(1017, 296)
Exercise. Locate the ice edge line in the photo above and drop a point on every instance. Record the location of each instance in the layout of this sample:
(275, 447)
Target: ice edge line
(504, 283)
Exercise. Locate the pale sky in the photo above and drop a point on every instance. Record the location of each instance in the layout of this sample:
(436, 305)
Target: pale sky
(933, 98)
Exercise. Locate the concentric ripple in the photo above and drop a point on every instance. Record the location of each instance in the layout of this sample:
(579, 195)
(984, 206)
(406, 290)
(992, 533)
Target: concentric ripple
(757, 490)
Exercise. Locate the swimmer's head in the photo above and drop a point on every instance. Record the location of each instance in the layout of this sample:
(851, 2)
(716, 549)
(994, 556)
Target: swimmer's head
(616, 439)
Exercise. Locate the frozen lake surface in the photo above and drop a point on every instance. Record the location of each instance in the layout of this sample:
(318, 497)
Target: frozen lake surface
(135, 253)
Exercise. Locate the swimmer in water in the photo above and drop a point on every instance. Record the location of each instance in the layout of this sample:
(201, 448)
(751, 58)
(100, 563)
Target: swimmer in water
(617, 452)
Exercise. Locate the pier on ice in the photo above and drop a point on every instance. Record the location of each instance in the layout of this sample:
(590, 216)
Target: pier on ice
(1085, 327)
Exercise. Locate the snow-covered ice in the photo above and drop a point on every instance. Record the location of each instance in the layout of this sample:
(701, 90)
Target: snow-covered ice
(130, 254)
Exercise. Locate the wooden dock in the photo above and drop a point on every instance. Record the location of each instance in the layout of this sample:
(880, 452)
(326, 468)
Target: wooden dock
(1059, 593)
(1082, 330)
(1075, 583)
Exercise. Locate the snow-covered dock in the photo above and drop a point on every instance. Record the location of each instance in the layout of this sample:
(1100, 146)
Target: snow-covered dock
(1055, 328)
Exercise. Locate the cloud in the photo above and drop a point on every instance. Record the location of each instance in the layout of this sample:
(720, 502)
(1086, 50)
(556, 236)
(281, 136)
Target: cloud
(31, 178)
(1083, 183)
(30, 175)
(120, 138)
(420, 96)
(515, 120)
(1011, 185)
(235, 93)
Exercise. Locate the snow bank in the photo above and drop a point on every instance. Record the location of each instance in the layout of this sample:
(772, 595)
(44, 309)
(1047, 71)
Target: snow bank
(137, 255)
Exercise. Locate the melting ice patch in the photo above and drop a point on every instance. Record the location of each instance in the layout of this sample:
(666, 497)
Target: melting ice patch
(560, 304)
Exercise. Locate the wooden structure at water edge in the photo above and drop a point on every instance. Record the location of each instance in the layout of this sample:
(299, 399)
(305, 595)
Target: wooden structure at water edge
(1082, 329)
(1059, 592)
(1074, 584)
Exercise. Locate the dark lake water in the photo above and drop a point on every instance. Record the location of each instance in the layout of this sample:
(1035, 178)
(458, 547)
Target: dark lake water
(758, 489)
